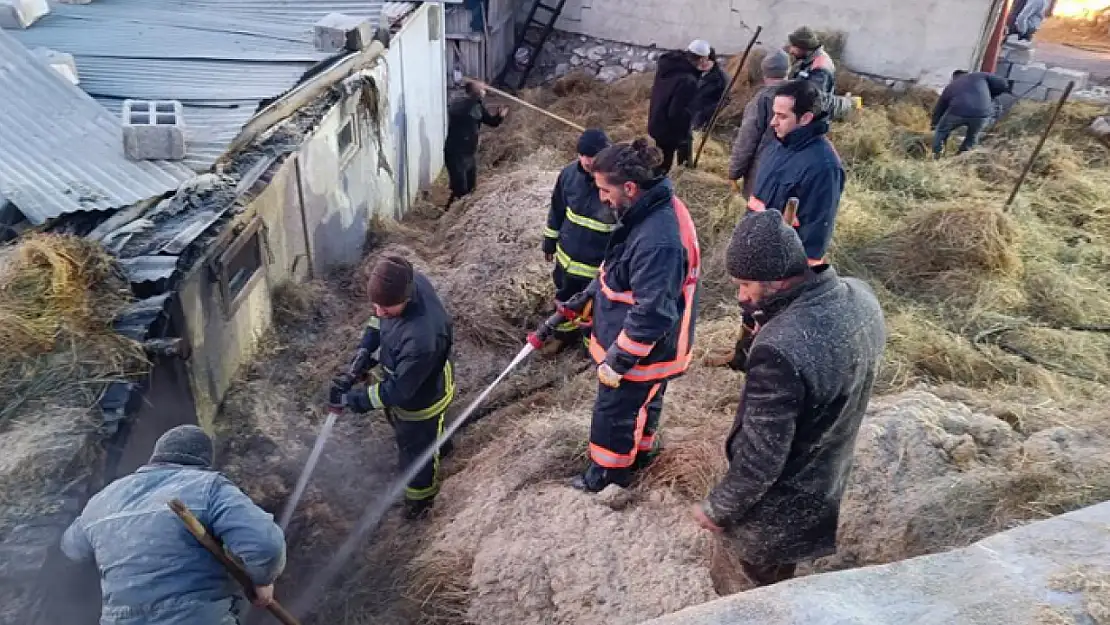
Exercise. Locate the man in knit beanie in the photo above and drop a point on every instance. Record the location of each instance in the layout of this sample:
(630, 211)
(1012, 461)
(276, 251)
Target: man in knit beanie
(577, 232)
(755, 132)
(136, 541)
(811, 366)
(811, 61)
(410, 336)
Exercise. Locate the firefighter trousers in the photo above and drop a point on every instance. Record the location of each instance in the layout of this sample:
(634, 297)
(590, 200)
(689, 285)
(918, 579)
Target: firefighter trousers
(625, 422)
(414, 437)
(566, 287)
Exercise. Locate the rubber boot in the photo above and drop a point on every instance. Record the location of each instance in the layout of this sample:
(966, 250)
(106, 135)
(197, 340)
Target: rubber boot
(596, 478)
(417, 508)
(645, 458)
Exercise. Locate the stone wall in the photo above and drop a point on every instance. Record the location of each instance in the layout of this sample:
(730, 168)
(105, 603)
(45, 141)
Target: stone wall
(606, 60)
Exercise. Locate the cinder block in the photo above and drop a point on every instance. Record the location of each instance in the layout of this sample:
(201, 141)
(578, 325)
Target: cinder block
(1003, 68)
(1059, 77)
(153, 130)
(1032, 73)
(20, 14)
(1022, 56)
(1035, 92)
(338, 32)
(61, 62)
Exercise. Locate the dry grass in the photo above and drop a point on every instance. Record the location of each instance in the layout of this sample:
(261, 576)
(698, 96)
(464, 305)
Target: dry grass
(1094, 585)
(439, 587)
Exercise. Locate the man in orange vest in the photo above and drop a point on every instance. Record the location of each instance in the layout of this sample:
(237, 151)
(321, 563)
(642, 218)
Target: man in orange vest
(644, 306)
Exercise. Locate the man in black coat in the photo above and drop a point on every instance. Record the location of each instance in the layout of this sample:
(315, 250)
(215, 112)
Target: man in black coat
(810, 371)
(670, 118)
(711, 90)
(967, 102)
(465, 117)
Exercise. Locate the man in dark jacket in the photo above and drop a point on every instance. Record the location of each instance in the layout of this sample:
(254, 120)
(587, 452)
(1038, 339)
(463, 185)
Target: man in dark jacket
(967, 102)
(811, 62)
(152, 571)
(410, 335)
(644, 305)
(810, 372)
(578, 228)
(711, 90)
(465, 117)
(801, 164)
(755, 132)
(670, 120)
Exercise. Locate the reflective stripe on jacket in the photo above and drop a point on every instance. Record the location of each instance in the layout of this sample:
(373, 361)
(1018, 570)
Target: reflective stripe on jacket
(414, 351)
(579, 224)
(645, 306)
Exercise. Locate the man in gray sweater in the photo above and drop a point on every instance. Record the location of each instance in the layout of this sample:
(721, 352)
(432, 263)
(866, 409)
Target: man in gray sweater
(967, 102)
(755, 132)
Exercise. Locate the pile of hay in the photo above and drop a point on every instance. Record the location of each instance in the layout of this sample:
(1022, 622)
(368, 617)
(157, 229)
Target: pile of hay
(58, 298)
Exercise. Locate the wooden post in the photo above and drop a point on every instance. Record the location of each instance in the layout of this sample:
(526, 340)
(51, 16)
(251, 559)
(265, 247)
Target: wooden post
(1040, 145)
(197, 529)
(728, 90)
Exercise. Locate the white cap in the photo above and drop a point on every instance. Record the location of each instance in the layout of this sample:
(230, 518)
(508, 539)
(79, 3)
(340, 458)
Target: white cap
(699, 47)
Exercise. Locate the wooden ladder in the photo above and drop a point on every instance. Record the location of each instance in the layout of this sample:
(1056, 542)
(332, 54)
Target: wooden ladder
(544, 25)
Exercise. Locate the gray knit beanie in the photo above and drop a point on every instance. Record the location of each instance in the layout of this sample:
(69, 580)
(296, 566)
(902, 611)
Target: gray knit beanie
(765, 249)
(185, 444)
(776, 64)
(805, 39)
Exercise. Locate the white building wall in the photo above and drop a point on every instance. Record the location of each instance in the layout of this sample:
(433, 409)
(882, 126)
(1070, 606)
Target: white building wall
(909, 40)
(417, 78)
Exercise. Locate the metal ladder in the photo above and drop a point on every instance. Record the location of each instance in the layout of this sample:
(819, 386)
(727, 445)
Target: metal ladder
(535, 47)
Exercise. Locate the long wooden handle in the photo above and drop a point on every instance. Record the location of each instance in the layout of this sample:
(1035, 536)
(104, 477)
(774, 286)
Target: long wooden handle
(536, 108)
(791, 211)
(197, 529)
(728, 90)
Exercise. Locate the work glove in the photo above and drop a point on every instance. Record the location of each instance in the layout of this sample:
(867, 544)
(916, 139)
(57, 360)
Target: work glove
(337, 395)
(358, 399)
(343, 381)
(607, 376)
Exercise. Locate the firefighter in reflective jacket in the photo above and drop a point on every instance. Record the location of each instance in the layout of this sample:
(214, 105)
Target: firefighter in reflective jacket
(410, 336)
(643, 313)
(578, 228)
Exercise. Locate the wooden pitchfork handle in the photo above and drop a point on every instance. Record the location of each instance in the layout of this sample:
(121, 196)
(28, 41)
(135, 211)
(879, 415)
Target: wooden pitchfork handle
(197, 529)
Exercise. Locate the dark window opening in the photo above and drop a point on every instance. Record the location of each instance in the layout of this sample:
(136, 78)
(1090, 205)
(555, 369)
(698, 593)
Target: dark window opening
(243, 266)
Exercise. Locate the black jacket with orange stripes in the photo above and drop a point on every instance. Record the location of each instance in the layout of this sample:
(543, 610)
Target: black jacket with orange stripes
(414, 350)
(645, 299)
(579, 224)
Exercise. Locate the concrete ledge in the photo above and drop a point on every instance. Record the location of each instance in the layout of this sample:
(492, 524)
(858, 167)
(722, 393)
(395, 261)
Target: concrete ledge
(1006, 579)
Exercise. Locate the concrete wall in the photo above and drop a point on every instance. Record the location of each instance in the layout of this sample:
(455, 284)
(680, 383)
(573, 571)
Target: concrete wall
(417, 74)
(926, 39)
(1012, 578)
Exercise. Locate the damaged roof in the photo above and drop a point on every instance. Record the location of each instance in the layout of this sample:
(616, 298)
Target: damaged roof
(220, 58)
(60, 152)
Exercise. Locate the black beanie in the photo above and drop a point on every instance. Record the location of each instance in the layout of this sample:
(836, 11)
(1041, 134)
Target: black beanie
(185, 444)
(765, 249)
(391, 281)
(592, 141)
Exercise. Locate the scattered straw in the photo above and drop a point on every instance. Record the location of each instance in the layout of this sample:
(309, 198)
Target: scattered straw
(1094, 584)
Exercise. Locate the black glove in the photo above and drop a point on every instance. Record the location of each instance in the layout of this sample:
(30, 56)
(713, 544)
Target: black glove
(549, 245)
(343, 382)
(358, 399)
(337, 396)
(578, 302)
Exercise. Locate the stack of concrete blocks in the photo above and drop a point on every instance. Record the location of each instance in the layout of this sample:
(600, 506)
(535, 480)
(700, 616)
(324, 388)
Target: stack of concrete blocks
(153, 130)
(20, 14)
(1036, 81)
(338, 32)
(60, 62)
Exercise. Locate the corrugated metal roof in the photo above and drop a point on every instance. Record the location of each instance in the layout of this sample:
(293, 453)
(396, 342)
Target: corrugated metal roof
(220, 58)
(396, 11)
(149, 268)
(60, 152)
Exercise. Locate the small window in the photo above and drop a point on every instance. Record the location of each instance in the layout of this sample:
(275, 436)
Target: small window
(347, 140)
(240, 266)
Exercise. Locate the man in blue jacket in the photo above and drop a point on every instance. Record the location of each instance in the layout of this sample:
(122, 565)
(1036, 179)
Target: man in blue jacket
(643, 314)
(152, 570)
(410, 335)
(801, 164)
(578, 228)
(967, 102)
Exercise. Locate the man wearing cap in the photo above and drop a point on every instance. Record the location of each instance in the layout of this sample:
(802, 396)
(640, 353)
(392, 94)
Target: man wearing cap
(801, 163)
(810, 370)
(465, 117)
(410, 336)
(755, 132)
(578, 228)
(670, 117)
(152, 570)
(811, 62)
(712, 85)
